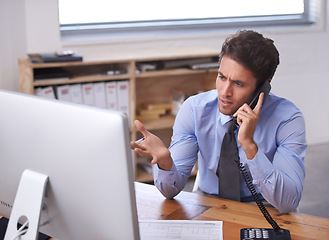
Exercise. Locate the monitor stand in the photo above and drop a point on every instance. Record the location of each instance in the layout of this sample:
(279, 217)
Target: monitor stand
(27, 204)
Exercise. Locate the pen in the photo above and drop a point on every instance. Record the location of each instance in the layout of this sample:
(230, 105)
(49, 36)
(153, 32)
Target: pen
(140, 140)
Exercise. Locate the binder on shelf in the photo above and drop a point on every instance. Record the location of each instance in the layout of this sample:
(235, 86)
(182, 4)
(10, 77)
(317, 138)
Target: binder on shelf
(123, 96)
(88, 94)
(99, 94)
(76, 93)
(47, 92)
(38, 92)
(63, 93)
(111, 95)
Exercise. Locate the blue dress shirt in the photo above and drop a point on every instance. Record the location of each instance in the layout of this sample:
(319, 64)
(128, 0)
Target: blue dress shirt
(277, 169)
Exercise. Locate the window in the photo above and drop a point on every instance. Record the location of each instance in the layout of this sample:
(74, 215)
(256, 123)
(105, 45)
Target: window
(126, 15)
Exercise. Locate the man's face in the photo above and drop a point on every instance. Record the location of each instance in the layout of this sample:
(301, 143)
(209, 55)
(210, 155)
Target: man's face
(235, 85)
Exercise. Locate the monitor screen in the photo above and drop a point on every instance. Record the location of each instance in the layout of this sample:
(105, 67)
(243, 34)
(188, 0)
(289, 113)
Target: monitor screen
(86, 155)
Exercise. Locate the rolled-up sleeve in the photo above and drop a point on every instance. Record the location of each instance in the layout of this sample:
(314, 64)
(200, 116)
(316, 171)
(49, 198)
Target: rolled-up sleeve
(183, 149)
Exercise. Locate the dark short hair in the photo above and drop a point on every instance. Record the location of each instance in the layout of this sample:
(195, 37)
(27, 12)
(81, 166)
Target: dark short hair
(253, 51)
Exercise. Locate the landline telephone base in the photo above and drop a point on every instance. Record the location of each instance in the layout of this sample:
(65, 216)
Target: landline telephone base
(264, 233)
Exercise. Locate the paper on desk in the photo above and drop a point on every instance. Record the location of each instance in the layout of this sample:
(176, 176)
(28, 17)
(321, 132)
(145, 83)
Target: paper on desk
(180, 229)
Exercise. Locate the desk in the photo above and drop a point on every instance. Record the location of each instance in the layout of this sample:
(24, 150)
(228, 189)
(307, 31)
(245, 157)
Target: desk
(235, 215)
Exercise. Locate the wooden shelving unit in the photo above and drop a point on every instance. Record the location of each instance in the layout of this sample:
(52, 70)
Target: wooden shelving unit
(154, 86)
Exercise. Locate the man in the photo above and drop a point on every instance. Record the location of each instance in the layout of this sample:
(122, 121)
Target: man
(270, 137)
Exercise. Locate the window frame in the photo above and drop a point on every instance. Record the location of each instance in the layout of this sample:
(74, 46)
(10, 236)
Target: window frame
(305, 18)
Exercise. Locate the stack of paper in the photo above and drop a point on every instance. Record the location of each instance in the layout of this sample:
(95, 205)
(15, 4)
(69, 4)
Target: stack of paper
(180, 229)
(154, 111)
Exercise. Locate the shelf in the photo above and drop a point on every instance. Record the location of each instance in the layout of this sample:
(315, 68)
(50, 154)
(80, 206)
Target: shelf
(82, 79)
(144, 87)
(72, 64)
(173, 72)
(159, 123)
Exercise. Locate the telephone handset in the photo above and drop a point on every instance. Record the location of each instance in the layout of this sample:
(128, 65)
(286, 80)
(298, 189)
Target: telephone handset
(275, 233)
(265, 88)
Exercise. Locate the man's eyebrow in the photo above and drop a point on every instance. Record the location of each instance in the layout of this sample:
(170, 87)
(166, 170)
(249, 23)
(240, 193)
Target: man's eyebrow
(219, 72)
(239, 82)
(233, 80)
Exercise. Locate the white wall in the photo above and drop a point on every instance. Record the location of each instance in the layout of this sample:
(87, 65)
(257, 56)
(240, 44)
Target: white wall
(12, 30)
(26, 26)
(42, 26)
(301, 77)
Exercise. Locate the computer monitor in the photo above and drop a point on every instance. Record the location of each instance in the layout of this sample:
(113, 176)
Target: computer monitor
(85, 157)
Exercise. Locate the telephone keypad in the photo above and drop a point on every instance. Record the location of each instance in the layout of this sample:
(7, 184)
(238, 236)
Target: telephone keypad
(255, 233)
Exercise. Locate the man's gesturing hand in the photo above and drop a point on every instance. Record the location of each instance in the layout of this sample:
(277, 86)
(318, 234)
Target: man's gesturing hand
(152, 147)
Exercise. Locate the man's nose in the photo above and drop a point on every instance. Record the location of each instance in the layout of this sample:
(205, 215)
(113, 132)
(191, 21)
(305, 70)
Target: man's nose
(227, 88)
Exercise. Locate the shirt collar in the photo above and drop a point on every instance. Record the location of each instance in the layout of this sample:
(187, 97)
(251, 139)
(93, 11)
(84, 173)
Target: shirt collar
(224, 118)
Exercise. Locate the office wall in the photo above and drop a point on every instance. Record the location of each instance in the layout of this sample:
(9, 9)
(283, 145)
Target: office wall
(12, 31)
(26, 26)
(301, 77)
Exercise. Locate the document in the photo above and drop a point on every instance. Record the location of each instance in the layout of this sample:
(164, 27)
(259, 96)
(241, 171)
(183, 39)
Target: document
(180, 229)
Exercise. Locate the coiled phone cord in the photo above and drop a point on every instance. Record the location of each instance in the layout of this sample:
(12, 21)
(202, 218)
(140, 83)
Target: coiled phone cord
(254, 194)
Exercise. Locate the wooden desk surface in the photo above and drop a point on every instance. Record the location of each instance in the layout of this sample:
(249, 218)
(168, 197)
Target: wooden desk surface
(235, 215)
